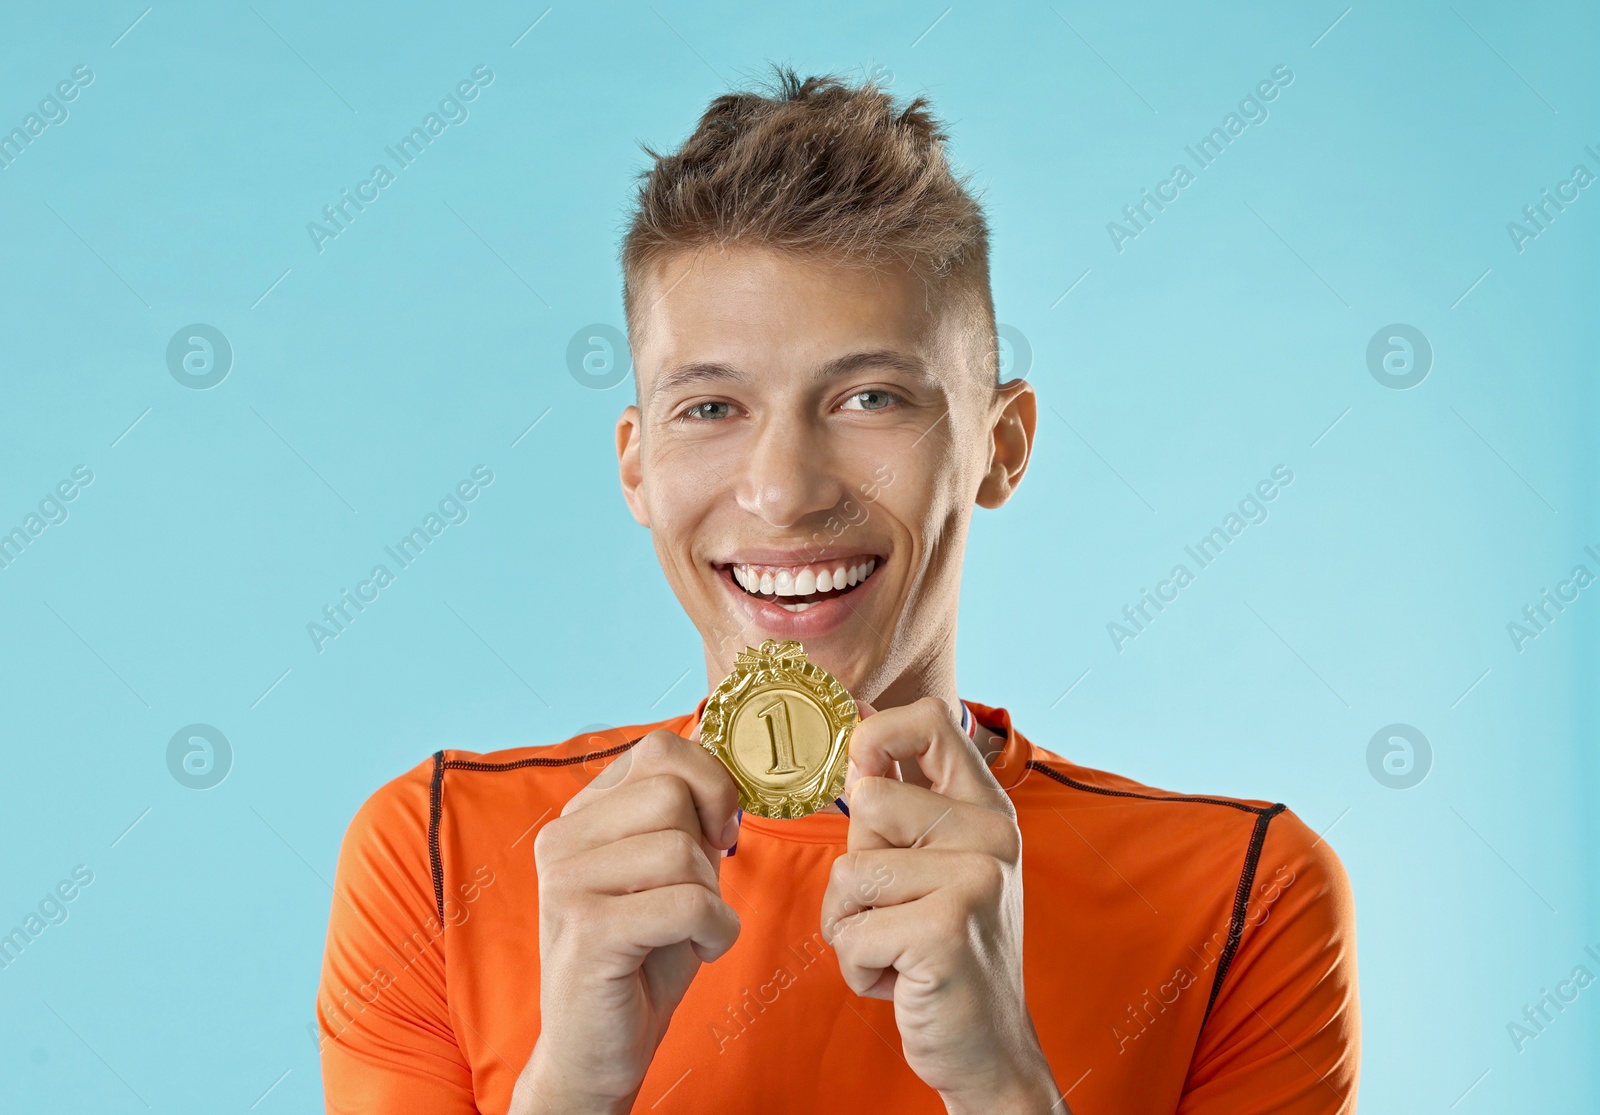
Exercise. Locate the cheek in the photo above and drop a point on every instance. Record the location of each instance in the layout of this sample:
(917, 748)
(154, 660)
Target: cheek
(682, 479)
(687, 495)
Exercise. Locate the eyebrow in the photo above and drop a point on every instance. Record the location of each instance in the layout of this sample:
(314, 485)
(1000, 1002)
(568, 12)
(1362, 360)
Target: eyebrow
(713, 371)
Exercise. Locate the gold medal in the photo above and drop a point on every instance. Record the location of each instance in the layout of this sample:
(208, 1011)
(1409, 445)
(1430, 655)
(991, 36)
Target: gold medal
(781, 725)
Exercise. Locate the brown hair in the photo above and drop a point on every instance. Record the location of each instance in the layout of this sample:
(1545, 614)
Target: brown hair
(821, 169)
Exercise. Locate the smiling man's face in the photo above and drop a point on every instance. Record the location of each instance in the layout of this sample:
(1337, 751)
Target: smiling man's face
(809, 442)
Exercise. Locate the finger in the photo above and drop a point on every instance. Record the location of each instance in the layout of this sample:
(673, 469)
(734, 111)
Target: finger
(889, 814)
(878, 947)
(851, 773)
(716, 797)
(888, 877)
(659, 802)
(653, 919)
(929, 733)
(647, 861)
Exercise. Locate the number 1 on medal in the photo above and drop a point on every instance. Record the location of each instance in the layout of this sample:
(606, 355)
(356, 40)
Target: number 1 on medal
(778, 733)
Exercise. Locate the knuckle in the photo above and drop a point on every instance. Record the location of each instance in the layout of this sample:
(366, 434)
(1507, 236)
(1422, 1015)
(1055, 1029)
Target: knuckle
(667, 792)
(933, 710)
(868, 794)
(843, 869)
(547, 840)
(684, 849)
(692, 903)
(656, 748)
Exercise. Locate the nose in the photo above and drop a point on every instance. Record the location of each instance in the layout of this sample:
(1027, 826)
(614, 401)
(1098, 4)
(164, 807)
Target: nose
(790, 473)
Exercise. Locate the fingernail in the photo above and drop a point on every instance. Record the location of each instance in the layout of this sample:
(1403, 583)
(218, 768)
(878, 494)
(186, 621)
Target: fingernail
(851, 776)
(730, 831)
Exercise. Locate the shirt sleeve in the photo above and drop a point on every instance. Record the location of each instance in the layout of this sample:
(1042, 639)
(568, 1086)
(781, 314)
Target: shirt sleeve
(388, 1043)
(1284, 1033)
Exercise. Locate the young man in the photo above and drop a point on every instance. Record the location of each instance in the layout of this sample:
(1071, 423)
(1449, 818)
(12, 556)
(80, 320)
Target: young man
(594, 927)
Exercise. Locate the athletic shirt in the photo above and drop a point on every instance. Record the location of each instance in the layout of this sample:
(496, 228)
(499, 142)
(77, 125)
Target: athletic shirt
(1181, 953)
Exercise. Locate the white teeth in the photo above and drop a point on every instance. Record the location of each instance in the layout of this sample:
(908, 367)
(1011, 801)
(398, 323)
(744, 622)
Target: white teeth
(807, 581)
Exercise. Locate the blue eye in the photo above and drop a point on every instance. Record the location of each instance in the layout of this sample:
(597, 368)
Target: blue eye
(708, 411)
(869, 400)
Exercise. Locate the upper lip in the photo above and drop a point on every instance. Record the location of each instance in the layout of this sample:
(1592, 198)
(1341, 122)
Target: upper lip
(782, 555)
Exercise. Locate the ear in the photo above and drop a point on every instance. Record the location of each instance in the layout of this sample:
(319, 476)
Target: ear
(1016, 414)
(630, 433)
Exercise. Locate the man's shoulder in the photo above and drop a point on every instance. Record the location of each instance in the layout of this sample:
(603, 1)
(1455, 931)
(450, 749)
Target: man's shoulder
(1175, 834)
(1233, 878)
(1172, 824)
(1065, 782)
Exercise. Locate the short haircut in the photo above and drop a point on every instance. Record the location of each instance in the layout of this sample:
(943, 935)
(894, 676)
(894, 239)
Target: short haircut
(826, 170)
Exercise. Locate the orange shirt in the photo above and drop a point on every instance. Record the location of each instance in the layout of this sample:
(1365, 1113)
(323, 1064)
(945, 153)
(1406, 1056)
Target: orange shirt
(1181, 953)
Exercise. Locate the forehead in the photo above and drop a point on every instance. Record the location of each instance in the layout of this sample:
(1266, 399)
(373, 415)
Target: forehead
(765, 310)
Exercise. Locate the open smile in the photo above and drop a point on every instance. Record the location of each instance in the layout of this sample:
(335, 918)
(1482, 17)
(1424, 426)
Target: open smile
(799, 600)
(799, 587)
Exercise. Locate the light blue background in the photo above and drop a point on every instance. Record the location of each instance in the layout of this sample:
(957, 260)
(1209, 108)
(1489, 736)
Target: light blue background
(426, 339)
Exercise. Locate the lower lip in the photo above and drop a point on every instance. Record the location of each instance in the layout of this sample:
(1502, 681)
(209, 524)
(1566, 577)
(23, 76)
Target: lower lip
(819, 619)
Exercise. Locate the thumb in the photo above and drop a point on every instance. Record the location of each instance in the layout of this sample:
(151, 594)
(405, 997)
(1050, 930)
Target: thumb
(850, 772)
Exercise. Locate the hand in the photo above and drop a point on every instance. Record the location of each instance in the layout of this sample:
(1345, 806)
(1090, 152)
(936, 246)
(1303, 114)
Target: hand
(630, 905)
(926, 909)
